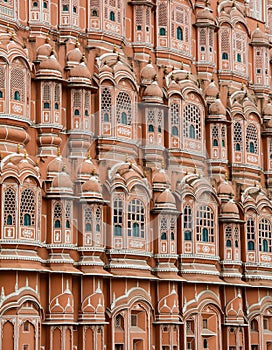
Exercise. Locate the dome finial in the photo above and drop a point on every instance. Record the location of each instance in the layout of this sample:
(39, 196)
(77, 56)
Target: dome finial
(181, 65)
(89, 155)
(114, 48)
(18, 148)
(25, 154)
(149, 60)
(58, 153)
(226, 177)
(82, 58)
(77, 43)
(195, 169)
(47, 38)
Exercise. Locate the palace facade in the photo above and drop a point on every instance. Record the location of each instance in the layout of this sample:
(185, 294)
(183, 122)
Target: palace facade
(135, 175)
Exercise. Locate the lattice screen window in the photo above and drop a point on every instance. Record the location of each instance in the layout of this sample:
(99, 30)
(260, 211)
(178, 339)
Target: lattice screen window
(46, 95)
(270, 149)
(27, 208)
(2, 81)
(202, 39)
(205, 224)
(163, 228)
(265, 236)
(225, 37)
(228, 236)
(240, 47)
(250, 227)
(118, 208)
(124, 108)
(57, 215)
(77, 102)
(151, 121)
(112, 9)
(256, 9)
(68, 214)
(10, 207)
(94, 8)
(251, 139)
(160, 114)
(174, 116)
(237, 136)
(223, 134)
(17, 84)
(180, 24)
(57, 96)
(215, 136)
(87, 103)
(136, 218)
(139, 17)
(88, 219)
(162, 14)
(106, 105)
(98, 220)
(192, 122)
(148, 13)
(173, 224)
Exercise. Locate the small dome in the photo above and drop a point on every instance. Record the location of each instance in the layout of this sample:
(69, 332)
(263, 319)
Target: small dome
(153, 90)
(225, 188)
(74, 56)
(56, 165)
(258, 36)
(268, 109)
(217, 108)
(80, 71)
(148, 72)
(120, 66)
(92, 185)
(86, 168)
(50, 63)
(160, 177)
(166, 200)
(44, 51)
(62, 181)
(212, 90)
(229, 208)
(204, 15)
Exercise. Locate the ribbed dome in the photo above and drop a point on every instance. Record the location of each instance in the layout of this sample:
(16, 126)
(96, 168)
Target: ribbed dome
(166, 197)
(212, 90)
(225, 188)
(56, 165)
(217, 108)
(148, 72)
(92, 186)
(86, 168)
(80, 71)
(258, 36)
(44, 51)
(50, 63)
(153, 90)
(204, 15)
(62, 181)
(229, 208)
(74, 56)
(160, 177)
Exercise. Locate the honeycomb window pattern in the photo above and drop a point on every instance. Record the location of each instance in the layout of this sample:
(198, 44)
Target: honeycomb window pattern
(237, 136)
(192, 121)
(106, 105)
(9, 207)
(123, 105)
(88, 218)
(27, 206)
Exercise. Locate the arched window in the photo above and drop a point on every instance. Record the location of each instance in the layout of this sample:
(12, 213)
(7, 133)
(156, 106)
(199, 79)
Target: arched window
(136, 218)
(192, 122)
(238, 57)
(215, 135)
(150, 128)
(56, 106)
(124, 108)
(225, 56)
(76, 112)
(265, 236)
(9, 207)
(192, 132)
(172, 236)
(174, 131)
(112, 16)
(205, 343)
(57, 223)
(46, 105)
(27, 208)
(159, 129)
(205, 235)
(88, 227)
(250, 245)
(124, 118)
(68, 214)
(74, 9)
(27, 220)
(68, 225)
(251, 139)
(187, 223)
(35, 4)
(163, 236)
(45, 5)
(17, 96)
(179, 33)
(187, 235)
(119, 322)
(162, 31)
(237, 136)
(65, 8)
(117, 230)
(94, 13)
(205, 224)
(117, 216)
(106, 117)
(1, 94)
(228, 243)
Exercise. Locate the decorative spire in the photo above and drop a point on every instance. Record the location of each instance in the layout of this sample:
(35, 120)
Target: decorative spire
(114, 48)
(47, 38)
(58, 153)
(18, 148)
(77, 43)
(25, 154)
(82, 60)
(149, 60)
(181, 65)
